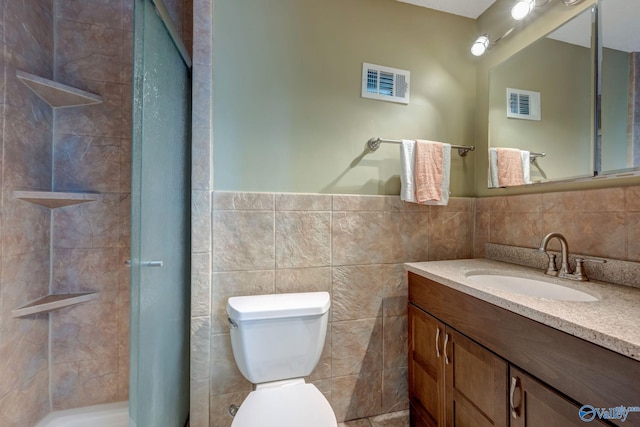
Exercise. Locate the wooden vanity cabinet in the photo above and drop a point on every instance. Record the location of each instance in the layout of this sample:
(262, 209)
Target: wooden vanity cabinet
(473, 364)
(452, 380)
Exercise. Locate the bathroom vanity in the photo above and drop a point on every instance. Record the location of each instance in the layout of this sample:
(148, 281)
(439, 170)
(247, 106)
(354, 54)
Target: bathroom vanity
(487, 357)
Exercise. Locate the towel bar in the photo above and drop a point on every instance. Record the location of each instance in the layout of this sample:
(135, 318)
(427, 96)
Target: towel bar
(533, 156)
(374, 143)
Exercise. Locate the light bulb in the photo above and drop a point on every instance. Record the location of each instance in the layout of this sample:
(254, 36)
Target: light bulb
(480, 46)
(521, 9)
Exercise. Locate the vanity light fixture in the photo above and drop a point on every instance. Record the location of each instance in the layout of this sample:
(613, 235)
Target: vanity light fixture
(480, 46)
(483, 43)
(522, 8)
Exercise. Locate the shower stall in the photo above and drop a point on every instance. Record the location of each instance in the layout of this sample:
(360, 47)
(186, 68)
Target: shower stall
(73, 209)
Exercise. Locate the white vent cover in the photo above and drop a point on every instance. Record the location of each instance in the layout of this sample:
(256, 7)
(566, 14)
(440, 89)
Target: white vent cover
(523, 104)
(385, 83)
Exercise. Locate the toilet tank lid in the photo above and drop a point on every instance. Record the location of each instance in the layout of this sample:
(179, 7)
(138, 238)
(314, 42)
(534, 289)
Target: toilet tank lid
(258, 307)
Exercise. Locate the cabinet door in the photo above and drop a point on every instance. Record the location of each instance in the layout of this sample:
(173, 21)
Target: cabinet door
(476, 384)
(534, 405)
(426, 385)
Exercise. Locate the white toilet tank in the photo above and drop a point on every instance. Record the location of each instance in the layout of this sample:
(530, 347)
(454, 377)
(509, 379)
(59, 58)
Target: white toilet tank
(280, 336)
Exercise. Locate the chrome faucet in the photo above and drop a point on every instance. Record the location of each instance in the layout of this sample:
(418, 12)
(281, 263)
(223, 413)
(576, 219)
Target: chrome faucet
(565, 269)
(552, 270)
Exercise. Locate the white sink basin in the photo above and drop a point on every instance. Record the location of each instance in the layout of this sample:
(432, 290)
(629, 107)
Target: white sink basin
(529, 287)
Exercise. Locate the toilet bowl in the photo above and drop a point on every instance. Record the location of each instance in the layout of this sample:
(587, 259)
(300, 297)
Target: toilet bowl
(296, 404)
(277, 340)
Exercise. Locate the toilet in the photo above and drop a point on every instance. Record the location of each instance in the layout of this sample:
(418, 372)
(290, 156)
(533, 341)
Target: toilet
(277, 340)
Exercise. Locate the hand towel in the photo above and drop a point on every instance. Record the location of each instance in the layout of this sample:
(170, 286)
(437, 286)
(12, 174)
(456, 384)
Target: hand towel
(526, 166)
(407, 162)
(432, 172)
(525, 158)
(446, 175)
(510, 170)
(493, 168)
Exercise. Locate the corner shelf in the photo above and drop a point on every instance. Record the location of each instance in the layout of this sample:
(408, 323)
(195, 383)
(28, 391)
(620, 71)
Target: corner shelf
(53, 302)
(54, 199)
(57, 95)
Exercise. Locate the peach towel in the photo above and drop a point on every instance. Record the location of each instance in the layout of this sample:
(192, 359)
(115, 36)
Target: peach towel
(428, 170)
(510, 170)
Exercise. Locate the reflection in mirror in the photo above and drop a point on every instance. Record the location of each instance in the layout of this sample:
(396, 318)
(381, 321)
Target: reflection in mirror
(620, 83)
(540, 102)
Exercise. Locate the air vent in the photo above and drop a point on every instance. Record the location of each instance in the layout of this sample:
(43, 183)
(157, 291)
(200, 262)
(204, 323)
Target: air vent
(523, 104)
(385, 83)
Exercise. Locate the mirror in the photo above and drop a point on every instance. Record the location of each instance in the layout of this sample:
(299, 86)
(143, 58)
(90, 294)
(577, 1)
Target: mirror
(619, 130)
(541, 110)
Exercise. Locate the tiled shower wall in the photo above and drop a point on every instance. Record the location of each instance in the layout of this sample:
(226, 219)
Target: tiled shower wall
(350, 246)
(92, 152)
(26, 131)
(85, 360)
(92, 146)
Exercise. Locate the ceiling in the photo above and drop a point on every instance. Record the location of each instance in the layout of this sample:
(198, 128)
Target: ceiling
(619, 21)
(469, 8)
(620, 25)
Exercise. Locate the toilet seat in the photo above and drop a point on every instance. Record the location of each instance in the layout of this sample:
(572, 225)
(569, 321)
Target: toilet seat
(289, 404)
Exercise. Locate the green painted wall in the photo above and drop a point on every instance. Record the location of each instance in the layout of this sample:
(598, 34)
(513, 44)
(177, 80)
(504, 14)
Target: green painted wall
(288, 116)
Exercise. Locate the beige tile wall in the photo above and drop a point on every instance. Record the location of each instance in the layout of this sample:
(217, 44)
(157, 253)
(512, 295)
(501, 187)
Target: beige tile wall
(603, 222)
(264, 243)
(201, 215)
(25, 135)
(350, 246)
(92, 152)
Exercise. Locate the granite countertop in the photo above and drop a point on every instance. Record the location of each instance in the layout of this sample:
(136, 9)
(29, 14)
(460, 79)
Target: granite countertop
(612, 322)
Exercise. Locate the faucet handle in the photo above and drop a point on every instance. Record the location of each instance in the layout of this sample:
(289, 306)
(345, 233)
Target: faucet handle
(579, 273)
(552, 269)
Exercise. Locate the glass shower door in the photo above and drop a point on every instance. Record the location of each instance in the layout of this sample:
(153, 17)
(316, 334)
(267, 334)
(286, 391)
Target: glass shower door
(160, 223)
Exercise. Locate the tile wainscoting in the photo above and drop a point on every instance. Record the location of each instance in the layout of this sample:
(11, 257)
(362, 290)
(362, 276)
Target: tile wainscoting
(351, 246)
(354, 247)
(601, 223)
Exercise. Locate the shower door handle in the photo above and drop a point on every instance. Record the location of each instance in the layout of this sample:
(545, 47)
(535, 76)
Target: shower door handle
(146, 263)
(152, 263)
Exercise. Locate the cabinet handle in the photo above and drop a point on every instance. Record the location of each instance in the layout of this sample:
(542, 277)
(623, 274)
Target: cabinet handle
(437, 342)
(515, 410)
(444, 348)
